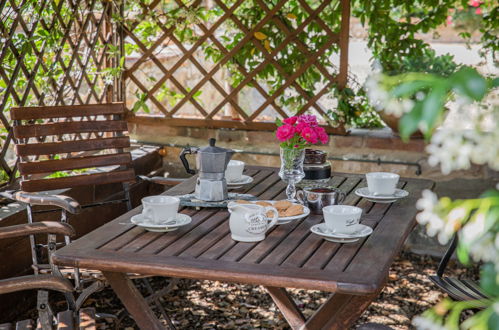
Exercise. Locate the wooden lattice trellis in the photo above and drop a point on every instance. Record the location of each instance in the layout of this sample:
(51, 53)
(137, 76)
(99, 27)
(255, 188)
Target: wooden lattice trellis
(70, 52)
(210, 32)
(54, 53)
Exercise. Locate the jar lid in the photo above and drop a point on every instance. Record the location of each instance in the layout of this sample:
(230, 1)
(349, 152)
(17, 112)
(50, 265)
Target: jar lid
(314, 156)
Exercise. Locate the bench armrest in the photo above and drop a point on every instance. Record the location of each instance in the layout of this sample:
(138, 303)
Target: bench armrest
(65, 202)
(31, 282)
(44, 227)
(161, 180)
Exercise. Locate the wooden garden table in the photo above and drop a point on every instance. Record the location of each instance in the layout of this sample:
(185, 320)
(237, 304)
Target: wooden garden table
(289, 257)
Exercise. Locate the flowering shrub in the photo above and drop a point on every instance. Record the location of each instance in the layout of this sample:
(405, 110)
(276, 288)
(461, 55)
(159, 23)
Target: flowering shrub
(420, 101)
(300, 131)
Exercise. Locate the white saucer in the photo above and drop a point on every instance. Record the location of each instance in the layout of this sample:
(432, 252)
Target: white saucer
(364, 192)
(285, 220)
(244, 179)
(322, 230)
(171, 225)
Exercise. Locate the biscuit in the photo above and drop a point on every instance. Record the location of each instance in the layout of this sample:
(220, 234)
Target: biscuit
(293, 210)
(282, 205)
(263, 203)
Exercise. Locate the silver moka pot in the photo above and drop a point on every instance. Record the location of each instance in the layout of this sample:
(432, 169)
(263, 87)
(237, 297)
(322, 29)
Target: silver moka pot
(211, 163)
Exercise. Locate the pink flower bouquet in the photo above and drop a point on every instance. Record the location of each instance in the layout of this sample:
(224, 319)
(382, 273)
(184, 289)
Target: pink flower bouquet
(300, 131)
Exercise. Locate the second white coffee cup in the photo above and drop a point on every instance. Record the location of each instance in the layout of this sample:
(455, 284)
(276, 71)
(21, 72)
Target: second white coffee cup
(160, 209)
(342, 218)
(234, 171)
(382, 183)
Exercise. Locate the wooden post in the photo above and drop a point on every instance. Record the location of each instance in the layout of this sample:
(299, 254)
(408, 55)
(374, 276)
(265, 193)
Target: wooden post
(344, 39)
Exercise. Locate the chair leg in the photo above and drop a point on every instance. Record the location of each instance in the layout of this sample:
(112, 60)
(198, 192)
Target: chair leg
(32, 242)
(45, 314)
(87, 292)
(67, 240)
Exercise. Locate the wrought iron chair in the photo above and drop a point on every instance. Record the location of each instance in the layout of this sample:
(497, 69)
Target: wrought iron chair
(457, 289)
(85, 318)
(74, 138)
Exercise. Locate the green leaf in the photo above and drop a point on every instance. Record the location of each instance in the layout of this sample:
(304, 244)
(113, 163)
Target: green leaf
(278, 122)
(493, 323)
(433, 107)
(136, 106)
(470, 83)
(409, 122)
(409, 88)
(463, 254)
(489, 279)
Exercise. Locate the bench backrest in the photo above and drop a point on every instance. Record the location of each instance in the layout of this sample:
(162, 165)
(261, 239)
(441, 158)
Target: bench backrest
(74, 140)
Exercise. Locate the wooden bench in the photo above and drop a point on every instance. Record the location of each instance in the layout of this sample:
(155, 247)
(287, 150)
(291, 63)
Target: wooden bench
(65, 321)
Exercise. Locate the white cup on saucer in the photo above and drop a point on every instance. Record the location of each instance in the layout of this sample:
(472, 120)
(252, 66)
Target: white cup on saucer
(342, 218)
(234, 171)
(382, 183)
(160, 209)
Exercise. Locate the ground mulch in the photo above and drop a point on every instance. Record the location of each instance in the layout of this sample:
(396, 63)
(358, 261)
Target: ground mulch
(216, 305)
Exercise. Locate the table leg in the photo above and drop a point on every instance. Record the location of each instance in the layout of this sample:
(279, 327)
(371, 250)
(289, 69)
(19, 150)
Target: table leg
(287, 306)
(339, 312)
(348, 313)
(133, 301)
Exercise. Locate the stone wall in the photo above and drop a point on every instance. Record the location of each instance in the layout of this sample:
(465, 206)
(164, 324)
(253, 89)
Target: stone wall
(262, 148)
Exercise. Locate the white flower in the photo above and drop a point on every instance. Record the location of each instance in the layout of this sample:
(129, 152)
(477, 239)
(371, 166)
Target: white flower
(429, 200)
(434, 224)
(452, 223)
(457, 149)
(473, 229)
(422, 323)
(484, 250)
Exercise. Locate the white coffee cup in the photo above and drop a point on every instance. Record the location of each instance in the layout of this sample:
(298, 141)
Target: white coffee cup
(342, 218)
(160, 209)
(382, 183)
(234, 170)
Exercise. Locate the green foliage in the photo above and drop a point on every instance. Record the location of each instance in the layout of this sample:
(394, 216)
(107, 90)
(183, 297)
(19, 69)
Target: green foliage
(475, 221)
(354, 109)
(393, 26)
(430, 93)
(428, 62)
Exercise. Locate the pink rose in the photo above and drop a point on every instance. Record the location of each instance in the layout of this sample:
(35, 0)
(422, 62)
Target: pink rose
(474, 3)
(300, 127)
(285, 132)
(321, 133)
(478, 11)
(310, 120)
(291, 120)
(449, 20)
(308, 133)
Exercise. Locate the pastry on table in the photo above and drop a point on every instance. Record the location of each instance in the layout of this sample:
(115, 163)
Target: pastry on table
(242, 201)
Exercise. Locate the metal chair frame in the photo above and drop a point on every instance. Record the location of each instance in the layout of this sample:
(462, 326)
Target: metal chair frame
(458, 289)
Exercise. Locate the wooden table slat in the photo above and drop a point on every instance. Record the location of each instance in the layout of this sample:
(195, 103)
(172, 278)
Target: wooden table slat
(290, 255)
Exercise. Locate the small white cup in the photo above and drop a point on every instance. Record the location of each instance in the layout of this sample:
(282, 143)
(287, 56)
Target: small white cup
(160, 209)
(342, 218)
(382, 183)
(234, 170)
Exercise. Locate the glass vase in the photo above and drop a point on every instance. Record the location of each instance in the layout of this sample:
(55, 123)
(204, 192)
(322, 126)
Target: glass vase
(291, 170)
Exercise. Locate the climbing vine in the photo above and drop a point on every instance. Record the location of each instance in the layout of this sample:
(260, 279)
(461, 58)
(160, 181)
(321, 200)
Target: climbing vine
(392, 25)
